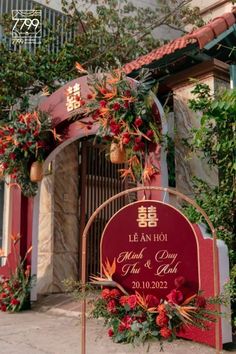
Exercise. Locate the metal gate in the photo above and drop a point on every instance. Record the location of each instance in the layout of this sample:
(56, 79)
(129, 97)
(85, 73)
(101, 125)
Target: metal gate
(98, 180)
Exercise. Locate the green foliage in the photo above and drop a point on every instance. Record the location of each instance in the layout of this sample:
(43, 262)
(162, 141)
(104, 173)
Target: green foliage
(215, 140)
(113, 31)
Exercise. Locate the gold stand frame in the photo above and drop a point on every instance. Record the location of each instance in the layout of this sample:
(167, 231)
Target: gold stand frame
(84, 254)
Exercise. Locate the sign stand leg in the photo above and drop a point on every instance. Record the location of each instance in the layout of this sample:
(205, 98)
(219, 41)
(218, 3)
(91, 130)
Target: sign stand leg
(83, 331)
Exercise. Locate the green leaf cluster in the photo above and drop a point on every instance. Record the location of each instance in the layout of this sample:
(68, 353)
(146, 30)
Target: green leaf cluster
(89, 32)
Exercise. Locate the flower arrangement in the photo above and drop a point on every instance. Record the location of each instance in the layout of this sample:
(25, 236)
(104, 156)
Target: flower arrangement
(24, 139)
(15, 290)
(137, 318)
(127, 120)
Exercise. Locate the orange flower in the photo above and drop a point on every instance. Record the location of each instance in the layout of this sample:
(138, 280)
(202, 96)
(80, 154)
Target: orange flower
(126, 172)
(133, 161)
(79, 68)
(114, 79)
(111, 94)
(149, 171)
(129, 99)
(109, 268)
(15, 238)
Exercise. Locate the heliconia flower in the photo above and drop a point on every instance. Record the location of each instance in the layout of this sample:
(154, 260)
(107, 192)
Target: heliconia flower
(148, 172)
(127, 172)
(15, 238)
(79, 68)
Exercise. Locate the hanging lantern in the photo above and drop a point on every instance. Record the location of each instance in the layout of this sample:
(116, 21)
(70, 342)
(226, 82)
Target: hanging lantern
(36, 171)
(117, 155)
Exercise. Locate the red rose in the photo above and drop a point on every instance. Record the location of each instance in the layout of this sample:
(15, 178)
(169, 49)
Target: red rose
(127, 321)
(89, 96)
(116, 106)
(12, 155)
(3, 308)
(138, 122)
(175, 296)
(124, 300)
(111, 306)
(132, 301)
(110, 332)
(102, 103)
(152, 301)
(165, 332)
(5, 165)
(11, 130)
(114, 293)
(150, 133)
(105, 294)
(3, 295)
(15, 301)
(162, 320)
(138, 139)
(125, 141)
(126, 105)
(136, 147)
(115, 128)
(82, 102)
(121, 327)
(200, 301)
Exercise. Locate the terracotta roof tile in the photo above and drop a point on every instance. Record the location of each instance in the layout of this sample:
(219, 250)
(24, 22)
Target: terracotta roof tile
(200, 36)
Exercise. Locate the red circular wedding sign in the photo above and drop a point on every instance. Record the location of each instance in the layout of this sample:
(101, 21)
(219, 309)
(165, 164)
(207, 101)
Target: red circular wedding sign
(153, 244)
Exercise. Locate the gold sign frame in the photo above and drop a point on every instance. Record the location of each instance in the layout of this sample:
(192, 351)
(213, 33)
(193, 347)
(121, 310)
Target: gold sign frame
(160, 189)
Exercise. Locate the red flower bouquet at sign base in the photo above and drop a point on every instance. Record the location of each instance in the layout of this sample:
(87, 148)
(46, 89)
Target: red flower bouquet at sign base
(137, 318)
